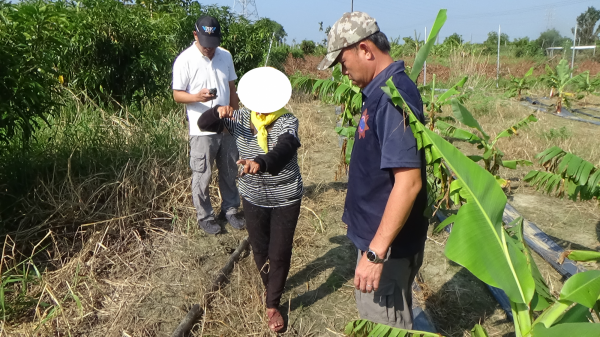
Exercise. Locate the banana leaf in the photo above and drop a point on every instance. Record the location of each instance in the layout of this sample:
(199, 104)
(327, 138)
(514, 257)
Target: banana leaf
(567, 329)
(582, 288)
(478, 240)
(424, 51)
(584, 255)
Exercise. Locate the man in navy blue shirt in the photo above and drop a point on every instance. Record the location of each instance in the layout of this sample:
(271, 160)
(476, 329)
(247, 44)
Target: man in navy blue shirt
(386, 194)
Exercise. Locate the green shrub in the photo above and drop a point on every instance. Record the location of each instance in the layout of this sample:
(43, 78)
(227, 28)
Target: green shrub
(278, 56)
(308, 47)
(105, 51)
(297, 53)
(33, 46)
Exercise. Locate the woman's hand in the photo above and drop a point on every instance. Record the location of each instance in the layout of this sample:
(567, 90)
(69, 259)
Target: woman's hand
(225, 111)
(250, 166)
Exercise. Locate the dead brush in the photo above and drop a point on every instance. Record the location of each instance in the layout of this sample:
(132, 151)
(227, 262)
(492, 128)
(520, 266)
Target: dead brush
(475, 66)
(93, 211)
(113, 228)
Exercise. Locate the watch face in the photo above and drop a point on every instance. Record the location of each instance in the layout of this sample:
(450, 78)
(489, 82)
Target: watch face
(371, 256)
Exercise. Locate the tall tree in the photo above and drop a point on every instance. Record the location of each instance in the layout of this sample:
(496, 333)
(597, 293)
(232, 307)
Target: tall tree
(587, 32)
(551, 38)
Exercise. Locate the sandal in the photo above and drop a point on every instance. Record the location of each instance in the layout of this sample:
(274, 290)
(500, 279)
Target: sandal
(276, 323)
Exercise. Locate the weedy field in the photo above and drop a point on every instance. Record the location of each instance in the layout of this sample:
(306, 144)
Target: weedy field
(99, 233)
(123, 255)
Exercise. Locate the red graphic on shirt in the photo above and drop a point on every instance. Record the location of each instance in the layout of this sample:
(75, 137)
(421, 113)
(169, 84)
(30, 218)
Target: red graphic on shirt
(362, 125)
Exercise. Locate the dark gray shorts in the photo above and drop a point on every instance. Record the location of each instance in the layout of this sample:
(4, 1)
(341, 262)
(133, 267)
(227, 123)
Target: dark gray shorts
(391, 304)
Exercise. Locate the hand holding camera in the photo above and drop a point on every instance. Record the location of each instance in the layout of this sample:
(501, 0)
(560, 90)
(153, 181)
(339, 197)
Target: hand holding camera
(206, 95)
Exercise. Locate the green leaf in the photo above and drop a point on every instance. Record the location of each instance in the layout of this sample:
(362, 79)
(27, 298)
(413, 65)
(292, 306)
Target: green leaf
(567, 329)
(349, 146)
(549, 154)
(444, 223)
(584, 255)
(475, 158)
(577, 313)
(424, 51)
(573, 167)
(512, 164)
(513, 129)
(478, 331)
(448, 130)
(464, 116)
(582, 288)
(478, 240)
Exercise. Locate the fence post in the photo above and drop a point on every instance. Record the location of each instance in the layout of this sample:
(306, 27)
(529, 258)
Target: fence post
(498, 61)
(573, 51)
(269, 52)
(425, 63)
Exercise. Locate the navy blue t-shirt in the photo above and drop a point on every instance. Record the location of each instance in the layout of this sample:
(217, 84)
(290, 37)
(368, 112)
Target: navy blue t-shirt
(384, 141)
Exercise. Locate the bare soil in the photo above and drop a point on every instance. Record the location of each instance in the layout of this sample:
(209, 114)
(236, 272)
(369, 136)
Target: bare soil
(479, 64)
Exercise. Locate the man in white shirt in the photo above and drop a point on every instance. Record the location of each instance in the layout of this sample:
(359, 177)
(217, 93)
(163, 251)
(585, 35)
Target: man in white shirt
(197, 72)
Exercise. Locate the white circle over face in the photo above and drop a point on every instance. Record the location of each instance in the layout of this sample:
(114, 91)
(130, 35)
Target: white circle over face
(264, 90)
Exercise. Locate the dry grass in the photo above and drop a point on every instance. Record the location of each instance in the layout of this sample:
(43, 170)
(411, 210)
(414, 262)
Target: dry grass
(125, 256)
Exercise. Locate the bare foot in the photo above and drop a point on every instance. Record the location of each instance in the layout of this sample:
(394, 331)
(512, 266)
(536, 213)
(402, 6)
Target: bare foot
(275, 319)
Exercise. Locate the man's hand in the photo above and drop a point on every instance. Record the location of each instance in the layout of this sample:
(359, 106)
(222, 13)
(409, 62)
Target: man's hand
(181, 96)
(225, 111)
(250, 166)
(204, 96)
(367, 275)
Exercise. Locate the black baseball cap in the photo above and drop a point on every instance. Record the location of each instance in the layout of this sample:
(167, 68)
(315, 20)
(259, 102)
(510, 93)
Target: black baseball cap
(208, 30)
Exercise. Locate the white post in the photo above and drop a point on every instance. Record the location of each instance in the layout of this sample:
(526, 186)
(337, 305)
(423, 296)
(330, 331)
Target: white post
(498, 61)
(425, 63)
(573, 52)
(269, 52)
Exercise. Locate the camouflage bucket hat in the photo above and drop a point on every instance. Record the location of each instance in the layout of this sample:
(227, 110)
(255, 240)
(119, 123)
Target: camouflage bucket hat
(350, 29)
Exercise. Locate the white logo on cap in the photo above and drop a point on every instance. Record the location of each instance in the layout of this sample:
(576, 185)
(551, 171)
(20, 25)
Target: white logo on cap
(209, 30)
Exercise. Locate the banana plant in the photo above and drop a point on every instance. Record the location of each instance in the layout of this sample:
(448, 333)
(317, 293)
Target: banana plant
(497, 253)
(434, 104)
(586, 85)
(338, 90)
(492, 155)
(518, 84)
(565, 174)
(560, 79)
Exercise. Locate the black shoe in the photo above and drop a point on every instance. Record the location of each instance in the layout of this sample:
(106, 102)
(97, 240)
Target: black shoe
(209, 226)
(235, 221)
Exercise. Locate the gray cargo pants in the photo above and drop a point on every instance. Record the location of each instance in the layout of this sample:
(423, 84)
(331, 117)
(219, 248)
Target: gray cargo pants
(391, 304)
(204, 151)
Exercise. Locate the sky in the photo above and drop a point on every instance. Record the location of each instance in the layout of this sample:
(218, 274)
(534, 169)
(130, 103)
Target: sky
(473, 19)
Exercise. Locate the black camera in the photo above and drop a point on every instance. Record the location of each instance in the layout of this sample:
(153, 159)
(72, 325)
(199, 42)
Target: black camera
(213, 91)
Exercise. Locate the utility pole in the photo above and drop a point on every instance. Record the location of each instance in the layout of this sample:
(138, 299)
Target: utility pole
(352, 6)
(247, 9)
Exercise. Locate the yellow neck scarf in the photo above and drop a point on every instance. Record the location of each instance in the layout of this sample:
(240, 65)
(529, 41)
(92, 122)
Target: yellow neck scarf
(261, 121)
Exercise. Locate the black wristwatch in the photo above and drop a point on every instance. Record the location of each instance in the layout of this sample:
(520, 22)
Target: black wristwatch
(372, 257)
